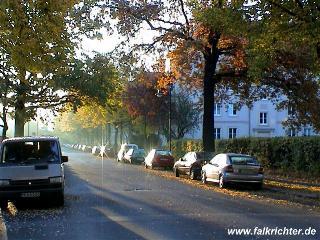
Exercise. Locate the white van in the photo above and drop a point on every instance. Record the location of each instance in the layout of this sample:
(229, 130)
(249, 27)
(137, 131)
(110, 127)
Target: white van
(31, 167)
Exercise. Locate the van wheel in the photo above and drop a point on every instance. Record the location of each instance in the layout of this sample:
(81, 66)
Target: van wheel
(59, 200)
(3, 204)
(145, 166)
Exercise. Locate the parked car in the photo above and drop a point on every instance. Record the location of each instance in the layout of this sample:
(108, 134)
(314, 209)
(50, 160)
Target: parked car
(31, 167)
(134, 156)
(159, 158)
(227, 168)
(95, 150)
(191, 163)
(123, 150)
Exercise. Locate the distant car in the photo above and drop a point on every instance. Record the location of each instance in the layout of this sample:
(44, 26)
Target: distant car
(227, 168)
(134, 156)
(191, 163)
(123, 150)
(159, 158)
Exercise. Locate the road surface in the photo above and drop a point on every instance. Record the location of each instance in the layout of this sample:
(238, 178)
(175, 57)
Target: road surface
(110, 200)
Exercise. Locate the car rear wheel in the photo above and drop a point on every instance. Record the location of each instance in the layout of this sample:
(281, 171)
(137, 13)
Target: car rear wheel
(222, 183)
(176, 172)
(204, 177)
(192, 174)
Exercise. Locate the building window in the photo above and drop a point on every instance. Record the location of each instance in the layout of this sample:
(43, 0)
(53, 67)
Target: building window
(217, 133)
(292, 133)
(263, 118)
(232, 110)
(307, 132)
(232, 132)
(217, 109)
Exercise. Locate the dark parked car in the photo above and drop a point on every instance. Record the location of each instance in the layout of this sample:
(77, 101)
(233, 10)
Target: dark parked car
(134, 156)
(159, 158)
(191, 163)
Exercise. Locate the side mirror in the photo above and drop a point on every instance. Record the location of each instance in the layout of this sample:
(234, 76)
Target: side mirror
(205, 162)
(180, 159)
(65, 159)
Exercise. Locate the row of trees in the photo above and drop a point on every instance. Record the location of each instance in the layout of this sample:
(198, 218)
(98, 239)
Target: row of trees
(142, 116)
(261, 48)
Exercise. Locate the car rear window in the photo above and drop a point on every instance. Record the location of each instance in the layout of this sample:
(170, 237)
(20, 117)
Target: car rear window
(243, 160)
(139, 152)
(30, 152)
(163, 152)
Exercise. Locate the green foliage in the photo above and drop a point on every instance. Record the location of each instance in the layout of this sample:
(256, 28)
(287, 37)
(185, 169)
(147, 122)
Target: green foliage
(180, 147)
(289, 155)
(298, 154)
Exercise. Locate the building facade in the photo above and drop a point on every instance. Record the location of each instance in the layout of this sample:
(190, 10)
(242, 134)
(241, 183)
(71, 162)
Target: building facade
(261, 120)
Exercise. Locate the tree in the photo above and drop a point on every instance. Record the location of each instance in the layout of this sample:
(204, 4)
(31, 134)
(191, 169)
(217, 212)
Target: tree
(284, 57)
(141, 101)
(185, 114)
(183, 28)
(39, 39)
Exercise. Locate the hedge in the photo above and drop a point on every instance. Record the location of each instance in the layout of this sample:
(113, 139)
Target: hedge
(295, 154)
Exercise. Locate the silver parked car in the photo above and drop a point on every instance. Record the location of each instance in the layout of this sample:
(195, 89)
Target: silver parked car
(227, 168)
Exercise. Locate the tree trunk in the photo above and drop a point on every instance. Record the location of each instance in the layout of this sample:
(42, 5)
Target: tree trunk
(19, 120)
(116, 138)
(5, 122)
(209, 81)
(20, 108)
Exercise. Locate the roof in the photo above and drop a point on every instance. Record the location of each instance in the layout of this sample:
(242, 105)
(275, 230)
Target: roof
(26, 139)
(237, 154)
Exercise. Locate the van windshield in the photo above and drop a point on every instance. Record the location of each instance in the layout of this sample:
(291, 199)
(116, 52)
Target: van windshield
(30, 152)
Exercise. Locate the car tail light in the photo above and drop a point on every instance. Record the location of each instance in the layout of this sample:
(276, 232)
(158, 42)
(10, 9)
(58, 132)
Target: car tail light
(228, 168)
(261, 170)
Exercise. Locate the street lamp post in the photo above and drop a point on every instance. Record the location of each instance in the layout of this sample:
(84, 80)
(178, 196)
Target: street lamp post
(170, 89)
(160, 94)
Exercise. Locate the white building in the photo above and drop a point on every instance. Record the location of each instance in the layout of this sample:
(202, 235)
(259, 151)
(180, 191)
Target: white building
(262, 120)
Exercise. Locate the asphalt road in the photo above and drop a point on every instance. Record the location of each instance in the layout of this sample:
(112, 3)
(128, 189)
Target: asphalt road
(110, 200)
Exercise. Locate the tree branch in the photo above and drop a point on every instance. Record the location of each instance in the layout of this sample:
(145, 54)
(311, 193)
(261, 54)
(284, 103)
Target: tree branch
(286, 10)
(300, 4)
(184, 13)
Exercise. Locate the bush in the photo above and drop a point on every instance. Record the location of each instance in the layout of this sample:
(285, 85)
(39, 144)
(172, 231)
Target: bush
(297, 154)
(290, 155)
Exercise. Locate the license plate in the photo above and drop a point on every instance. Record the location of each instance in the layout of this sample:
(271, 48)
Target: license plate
(30, 195)
(246, 171)
(163, 159)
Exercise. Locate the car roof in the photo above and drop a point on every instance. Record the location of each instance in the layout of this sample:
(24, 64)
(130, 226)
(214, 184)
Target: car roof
(30, 139)
(237, 154)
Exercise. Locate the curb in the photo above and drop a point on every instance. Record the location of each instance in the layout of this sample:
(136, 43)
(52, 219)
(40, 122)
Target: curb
(3, 229)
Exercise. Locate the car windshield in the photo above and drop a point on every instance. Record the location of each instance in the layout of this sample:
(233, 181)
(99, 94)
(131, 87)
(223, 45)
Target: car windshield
(30, 152)
(163, 152)
(243, 160)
